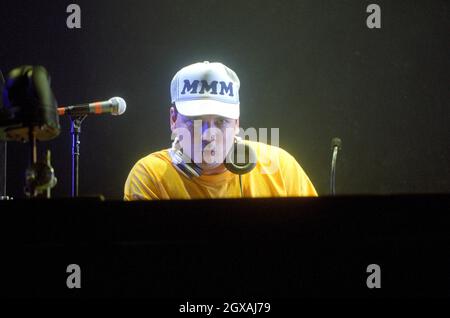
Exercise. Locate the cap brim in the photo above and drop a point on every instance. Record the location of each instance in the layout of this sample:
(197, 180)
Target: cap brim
(208, 107)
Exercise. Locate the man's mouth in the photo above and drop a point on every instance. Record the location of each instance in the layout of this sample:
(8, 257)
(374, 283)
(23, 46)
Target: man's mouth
(209, 151)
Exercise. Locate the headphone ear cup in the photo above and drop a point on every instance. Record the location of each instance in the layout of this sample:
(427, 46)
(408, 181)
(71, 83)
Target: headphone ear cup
(233, 157)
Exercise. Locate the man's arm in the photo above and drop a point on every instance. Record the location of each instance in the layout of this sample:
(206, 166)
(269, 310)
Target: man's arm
(140, 184)
(296, 180)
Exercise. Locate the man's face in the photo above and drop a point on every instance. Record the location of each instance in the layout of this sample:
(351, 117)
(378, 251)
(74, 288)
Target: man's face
(205, 139)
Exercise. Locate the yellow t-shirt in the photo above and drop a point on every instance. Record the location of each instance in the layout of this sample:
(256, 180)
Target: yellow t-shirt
(276, 174)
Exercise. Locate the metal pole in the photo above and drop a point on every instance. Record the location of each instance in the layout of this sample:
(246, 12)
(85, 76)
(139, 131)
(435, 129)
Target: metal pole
(336, 144)
(75, 131)
(3, 162)
(333, 172)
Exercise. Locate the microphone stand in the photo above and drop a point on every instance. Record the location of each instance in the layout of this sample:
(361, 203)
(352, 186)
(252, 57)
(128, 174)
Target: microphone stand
(335, 146)
(3, 159)
(75, 130)
(31, 173)
(3, 155)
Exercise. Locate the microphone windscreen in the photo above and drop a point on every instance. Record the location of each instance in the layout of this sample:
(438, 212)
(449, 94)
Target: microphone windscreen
(336, 142)
(120, 103)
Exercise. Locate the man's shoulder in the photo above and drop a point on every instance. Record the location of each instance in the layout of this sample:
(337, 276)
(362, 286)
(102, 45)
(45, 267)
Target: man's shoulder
(263, 149)
(155, 160)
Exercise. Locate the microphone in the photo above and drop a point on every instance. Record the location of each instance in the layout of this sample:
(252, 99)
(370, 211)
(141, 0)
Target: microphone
(113, 106)
(336, 144)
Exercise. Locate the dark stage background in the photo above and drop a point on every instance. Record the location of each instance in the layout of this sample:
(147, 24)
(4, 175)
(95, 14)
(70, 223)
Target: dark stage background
(311, 68)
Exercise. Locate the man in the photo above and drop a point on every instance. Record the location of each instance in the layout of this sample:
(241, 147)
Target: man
(204, 119)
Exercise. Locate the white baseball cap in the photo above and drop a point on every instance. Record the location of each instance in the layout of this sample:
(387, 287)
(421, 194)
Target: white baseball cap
(206, 89)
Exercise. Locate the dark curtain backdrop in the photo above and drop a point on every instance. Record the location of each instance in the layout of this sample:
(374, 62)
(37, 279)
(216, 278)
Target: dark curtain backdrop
(311, 68)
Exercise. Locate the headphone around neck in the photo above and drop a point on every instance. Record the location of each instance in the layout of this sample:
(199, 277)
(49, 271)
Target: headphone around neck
(240, 148)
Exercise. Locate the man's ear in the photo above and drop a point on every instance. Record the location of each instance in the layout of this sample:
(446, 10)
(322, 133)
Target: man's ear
(172, 117)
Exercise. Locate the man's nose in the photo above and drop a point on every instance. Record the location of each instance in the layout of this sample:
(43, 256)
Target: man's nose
(208, 131)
